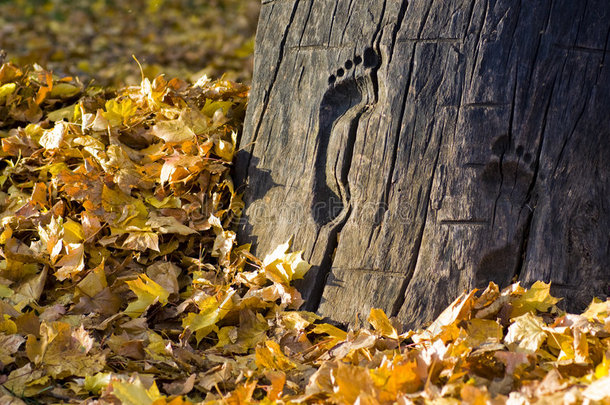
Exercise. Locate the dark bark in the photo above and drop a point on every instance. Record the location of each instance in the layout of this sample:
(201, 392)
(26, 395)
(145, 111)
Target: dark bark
(417, 149)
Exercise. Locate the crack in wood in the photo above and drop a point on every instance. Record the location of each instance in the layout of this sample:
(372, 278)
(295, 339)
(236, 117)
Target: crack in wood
(392, 273)
(388, 185)
(474, 165)
(475, 58)
(524, 242)
(400, 299)
(451, 41)
(267, 95)
(530, 192)
(465, 221)
(318, 48)
(306, 21)
(268, 2)
(584, 49)
(486, 105)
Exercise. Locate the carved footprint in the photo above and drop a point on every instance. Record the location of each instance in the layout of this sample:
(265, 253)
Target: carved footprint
(510, 171)
(351, 88)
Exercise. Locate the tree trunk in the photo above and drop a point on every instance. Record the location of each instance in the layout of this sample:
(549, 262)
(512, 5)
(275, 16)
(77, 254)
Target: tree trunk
(417, 149)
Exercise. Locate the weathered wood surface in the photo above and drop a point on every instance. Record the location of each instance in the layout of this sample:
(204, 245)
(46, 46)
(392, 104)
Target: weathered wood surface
(416, 149)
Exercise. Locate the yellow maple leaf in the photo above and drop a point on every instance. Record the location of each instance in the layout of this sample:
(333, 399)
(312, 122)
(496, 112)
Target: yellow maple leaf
(270, 356)
(458, 310)
(603, 368)
(72, 263)
(282, 267)
(134, 393)
(94, 282)
(526, 333)
(6, 90)
(537, 297)
(174, 131)
(211, 311)
(226, 149)
(242, 395)
(353, 383)
(396, 377)
(597, 310)
(331, 331)
(7, 326)
(119, 111)
(483, 331)
(148, 293)
(382, 324)
(64, 351)
(96, 382)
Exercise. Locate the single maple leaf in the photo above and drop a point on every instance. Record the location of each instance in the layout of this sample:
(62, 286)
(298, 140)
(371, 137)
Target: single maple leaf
(148, 292)
(537, 298)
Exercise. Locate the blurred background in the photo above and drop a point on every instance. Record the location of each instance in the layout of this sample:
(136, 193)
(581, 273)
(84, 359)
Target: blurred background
(95, 39)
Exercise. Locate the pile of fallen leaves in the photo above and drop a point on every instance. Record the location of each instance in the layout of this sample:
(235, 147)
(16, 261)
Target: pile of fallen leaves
(121, 280)
(94, 39)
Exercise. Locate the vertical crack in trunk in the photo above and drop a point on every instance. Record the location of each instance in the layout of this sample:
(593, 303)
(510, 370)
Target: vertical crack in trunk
(524, 242)
(401, 16)
(259, 121)
(506, 146)
(388, 186)
(400, 300)
(530, 192)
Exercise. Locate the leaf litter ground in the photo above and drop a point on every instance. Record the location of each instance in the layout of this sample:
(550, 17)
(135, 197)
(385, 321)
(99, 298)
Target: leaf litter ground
(94, 39)
(121, 280)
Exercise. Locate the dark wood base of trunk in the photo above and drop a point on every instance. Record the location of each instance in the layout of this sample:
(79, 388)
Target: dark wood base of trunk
(419, 149)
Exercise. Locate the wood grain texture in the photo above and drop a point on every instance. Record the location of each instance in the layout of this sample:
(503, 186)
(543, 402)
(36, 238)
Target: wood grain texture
(418, 149)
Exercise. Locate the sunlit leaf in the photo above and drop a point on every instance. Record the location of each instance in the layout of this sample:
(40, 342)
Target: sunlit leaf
(526, 333)
(382, 324)
(6, 90)
(352, 383)
(330, 330)
(72, 263)
(483, 331)
(64, 90)
(141, 241)
(63, 351)
(598, 390)
(538, 297)
(598, 310)
(175, 131)
(282, 267)
(134, 393)
(57, 137)
(119, 111)
(96, 382)
(270, 356)
(148, 293)
(222, 247)
(211, 311)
